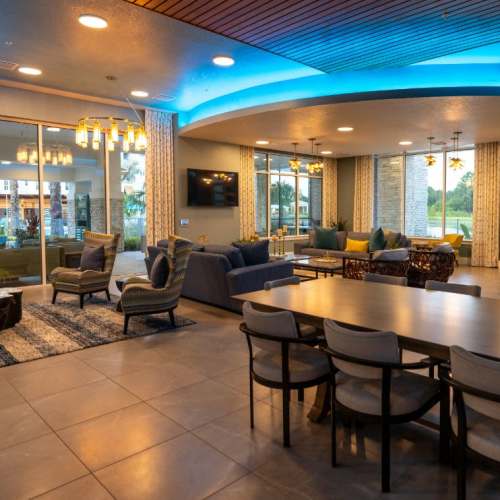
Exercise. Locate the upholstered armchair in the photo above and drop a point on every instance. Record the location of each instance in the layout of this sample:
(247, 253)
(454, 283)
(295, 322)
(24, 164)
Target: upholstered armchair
(139, 297)
(78, 282)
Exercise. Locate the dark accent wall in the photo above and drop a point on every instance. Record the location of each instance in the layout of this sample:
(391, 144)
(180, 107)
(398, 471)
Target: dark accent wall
(345, 189)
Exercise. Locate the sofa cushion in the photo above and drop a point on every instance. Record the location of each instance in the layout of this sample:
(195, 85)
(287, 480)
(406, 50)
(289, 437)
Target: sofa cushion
(233, 254)
(358, 235)
(159, 271)
(341, 239)
(396, 254)
(325, 238)
(254, 253)
(356, 245)
(92, 258)
(377, 240)
(392, 239)
(442, 248)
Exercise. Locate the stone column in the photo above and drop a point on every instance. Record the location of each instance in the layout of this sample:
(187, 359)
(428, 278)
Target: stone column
(13, 212)
(71, 210)
(56, 215)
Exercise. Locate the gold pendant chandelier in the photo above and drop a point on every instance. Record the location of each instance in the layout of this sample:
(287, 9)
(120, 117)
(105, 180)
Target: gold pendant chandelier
(430, 159)
(294, 163)
(456, 162)
(316, 165)
(134, 134)
(54, 154)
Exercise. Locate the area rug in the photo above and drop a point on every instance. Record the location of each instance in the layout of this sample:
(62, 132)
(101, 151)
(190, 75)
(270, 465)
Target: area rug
(47, 330)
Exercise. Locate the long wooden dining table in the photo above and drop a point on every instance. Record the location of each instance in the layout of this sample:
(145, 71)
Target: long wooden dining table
(426, 322)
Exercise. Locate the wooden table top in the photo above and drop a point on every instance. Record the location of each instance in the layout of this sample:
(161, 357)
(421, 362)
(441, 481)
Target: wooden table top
(428, 322)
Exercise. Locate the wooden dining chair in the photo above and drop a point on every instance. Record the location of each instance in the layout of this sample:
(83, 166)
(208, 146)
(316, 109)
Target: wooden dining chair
(475, 418)
(385, 278)
(370, 383)
(474, 290)
(291, 280)
(280, 359)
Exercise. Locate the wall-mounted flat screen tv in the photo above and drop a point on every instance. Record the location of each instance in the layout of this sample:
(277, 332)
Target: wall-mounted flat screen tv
(212, 188)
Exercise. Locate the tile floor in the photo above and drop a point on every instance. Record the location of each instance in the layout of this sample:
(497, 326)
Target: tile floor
(166, 417)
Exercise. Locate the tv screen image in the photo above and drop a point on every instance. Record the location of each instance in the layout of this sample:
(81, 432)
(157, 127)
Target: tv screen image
(212, 188)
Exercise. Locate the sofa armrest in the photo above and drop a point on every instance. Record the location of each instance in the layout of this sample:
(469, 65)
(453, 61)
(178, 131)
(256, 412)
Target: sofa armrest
(252, 278)
(298, 246)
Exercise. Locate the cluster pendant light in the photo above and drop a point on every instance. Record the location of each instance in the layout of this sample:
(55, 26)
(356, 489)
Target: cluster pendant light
(55, 154)
(430, 159)
(456, 162)
(316, 165)
(133, 133)
(294, 163)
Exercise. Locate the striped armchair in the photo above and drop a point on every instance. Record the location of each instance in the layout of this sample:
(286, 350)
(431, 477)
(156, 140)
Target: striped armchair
(139, 297)
(72, 280)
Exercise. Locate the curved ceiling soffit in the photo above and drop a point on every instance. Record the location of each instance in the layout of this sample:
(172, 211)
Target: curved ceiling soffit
(415, 81)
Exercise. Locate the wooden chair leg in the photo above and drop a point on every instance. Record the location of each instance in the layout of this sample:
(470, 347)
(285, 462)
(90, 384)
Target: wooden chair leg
(82, 296)
(251, 402)
(54, 296)
(125, 324)
(300, 393)
(386, 456)
(172, 317)
(286, 418)
(108, 295)
(461, 472)
(333, 426)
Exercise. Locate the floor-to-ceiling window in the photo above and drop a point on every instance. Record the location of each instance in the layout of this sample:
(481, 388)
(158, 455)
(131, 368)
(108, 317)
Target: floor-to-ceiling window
(284, 197)
(20, 259)
(422, 200)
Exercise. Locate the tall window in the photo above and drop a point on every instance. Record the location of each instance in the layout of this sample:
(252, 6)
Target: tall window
(284, 197)
(425, 201)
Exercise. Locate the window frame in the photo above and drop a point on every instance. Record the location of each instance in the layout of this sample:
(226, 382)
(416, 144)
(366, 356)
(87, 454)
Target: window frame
(296, 175)
(405, 155)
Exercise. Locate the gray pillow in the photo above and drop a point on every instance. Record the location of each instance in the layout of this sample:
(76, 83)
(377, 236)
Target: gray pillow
(92, 258)
(159, 271)
(232, 253)
(397, 254)
(254, 253)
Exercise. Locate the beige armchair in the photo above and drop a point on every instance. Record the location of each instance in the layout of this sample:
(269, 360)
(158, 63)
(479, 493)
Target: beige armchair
(77, 282)
(139, 297)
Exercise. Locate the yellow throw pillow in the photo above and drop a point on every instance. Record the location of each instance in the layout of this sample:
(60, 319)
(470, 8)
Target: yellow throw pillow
(356, 245)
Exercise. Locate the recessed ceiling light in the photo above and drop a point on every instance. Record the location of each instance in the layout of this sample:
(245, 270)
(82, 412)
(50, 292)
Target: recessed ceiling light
(326, 152)
(261, 142)
(26, 70)
(405, 143)
(5, 162)
(139, 93)
(94, 22)
(223, 61)
(345, 129)
(53, 129)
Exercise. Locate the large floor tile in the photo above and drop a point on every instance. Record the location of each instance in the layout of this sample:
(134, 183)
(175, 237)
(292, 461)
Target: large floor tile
(85, 488)
(198, 404)
(104, 440)
(211, 364)
(8, 395)
(59, 377)
(239, 379)
(158, 380)
(19, 424)
(40, 465)
(76, 405)
(32, 366)
(184, 468)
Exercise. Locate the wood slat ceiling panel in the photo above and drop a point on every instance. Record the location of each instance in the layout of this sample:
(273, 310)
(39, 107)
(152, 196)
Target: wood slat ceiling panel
(345, 35)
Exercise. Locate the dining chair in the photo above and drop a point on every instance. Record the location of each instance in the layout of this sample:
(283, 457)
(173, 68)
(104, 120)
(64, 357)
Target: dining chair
(280, 359)
(474, 290)
(290, 280)
(370, 383)
(475, 418)
(385, 278)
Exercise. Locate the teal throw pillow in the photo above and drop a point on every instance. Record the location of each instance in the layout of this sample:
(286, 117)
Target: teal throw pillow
(377, 240)
(325, 238)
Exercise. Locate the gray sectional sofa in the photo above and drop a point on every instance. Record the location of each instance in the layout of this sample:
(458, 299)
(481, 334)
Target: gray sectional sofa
(306, 247)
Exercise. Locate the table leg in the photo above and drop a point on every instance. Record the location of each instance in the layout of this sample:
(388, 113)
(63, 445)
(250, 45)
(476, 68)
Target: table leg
(444, 422)
(321, 406)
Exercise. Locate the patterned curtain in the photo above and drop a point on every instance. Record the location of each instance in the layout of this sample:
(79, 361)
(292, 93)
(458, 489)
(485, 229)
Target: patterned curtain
(363, 193)
(486, 206)
(329, 210)
(247, 193)
(160, 222)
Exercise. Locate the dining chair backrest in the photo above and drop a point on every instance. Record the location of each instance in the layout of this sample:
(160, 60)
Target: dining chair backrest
(474, 290)
(479, 373)
(279, 324)
(290, 280)
(385, 278)
(369, 346)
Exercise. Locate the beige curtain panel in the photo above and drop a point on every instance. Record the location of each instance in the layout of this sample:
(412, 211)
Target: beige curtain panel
(486, 206)
(160, 206)
(247, 193)
(364, 175)
(329, 210)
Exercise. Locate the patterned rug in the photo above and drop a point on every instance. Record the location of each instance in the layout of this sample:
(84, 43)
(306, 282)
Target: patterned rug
(47, 330)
